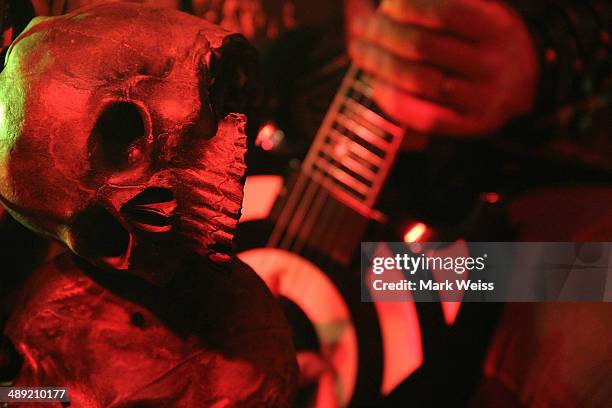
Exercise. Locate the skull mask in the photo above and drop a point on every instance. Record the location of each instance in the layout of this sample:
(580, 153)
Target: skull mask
(122, 136)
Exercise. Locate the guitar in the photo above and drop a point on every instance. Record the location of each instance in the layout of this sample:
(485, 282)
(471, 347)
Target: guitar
(359, 351)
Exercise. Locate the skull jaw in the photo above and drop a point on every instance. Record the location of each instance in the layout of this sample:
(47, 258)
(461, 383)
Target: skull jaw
(131, 230)
(101, 238)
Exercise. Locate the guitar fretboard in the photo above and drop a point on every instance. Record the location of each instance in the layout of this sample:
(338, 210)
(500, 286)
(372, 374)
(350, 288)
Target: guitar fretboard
(342, 175)
(355, 146)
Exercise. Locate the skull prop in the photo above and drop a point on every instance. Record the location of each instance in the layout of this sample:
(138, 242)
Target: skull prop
(122, 135)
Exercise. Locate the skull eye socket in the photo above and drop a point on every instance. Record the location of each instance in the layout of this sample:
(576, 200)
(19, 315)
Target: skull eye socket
(116, 133)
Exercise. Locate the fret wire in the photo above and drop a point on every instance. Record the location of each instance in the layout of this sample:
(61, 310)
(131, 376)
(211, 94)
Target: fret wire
(342, 176)
(341, 195)
(360, 120)
(364, 87)
(340, 221)
(328, 121)
(373, 118)
(334, 167)
(349, 162)
(356, 148)
(360, 165)
(345, 167)
(348, 180)
(319, 139)
(354, 93)
(352, 138)
(363, 133)
(294, 195)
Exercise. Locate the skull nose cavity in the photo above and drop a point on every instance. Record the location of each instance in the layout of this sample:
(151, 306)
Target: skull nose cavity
(152, 210)
(118, 134)
(99, 236)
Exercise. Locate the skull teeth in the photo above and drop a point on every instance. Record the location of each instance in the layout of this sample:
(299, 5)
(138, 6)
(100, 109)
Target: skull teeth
(152, 210)
(152, 218)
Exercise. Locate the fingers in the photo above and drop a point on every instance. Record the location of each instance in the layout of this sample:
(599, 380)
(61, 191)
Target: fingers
(423, 81)
(356, 12)
(356, 9)
(456, 67)
(470, 19)
(425, 116)
(423, 45)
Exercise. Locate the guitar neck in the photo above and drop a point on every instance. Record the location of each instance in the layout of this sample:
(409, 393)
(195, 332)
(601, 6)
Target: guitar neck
(356, 145)
(341, 177)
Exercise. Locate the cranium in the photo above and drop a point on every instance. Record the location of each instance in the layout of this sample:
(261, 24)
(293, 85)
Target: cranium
(120, 126)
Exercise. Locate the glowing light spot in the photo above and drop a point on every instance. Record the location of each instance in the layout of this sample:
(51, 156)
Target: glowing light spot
(267, 131)
(269, 137)
(267, 145)
(415, 232)
(491, 198)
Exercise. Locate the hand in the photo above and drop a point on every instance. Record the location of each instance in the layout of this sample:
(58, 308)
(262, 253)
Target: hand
(453, 67)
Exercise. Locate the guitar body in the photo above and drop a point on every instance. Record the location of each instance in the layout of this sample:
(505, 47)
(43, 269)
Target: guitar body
(353, 351)
(303, 235)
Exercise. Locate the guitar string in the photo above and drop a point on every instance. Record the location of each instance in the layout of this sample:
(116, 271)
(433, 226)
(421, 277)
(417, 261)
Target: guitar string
(321, 199)
(303, 183)
(316, 204)
(323, 195)
(303, 177)
(321, 203)
(345, 212)
(319, 174)
(294, 230)
(300, 184)
(309, 188)
(328, 232)
(273, 260)
(367, 102)
(317, 177)
(303, 234)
